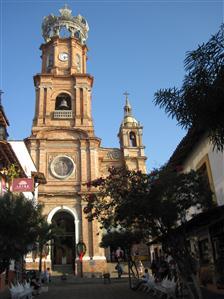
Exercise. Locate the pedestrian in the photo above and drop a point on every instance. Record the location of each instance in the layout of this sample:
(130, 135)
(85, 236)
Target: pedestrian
(46, 275)
(35, 284)
(119, 254)
(154, 268)
(163, 269)
(140, 267)
(119, 269)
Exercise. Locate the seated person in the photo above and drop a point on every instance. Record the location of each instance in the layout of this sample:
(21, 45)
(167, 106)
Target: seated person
(35, 284)
(143, 280)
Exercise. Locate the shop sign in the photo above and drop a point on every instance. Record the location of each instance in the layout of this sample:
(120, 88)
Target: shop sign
(22, 185)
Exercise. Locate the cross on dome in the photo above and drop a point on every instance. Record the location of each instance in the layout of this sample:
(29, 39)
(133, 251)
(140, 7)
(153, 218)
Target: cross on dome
(127, 107)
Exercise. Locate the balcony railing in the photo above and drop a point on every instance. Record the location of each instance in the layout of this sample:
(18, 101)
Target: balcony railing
(63, 114)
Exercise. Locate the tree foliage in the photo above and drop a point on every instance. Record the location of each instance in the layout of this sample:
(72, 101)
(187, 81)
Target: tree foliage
(45, 232)
(200, 101)
(157, 204)
(154, 202)
(19, 219)
(114, 192)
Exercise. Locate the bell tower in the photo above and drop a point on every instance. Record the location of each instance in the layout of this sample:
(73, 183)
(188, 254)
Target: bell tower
(130, 136)
(63, 88)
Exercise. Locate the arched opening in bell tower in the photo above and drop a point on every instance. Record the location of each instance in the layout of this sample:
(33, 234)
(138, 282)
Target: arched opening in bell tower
(64, 32)
(132, 138)
(64, 244)
(63, 102)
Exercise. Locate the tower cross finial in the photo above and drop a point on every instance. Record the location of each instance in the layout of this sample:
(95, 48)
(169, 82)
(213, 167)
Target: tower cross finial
(126, 94)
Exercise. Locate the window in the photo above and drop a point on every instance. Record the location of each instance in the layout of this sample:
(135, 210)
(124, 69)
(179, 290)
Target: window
(132, 137)
(50, 61)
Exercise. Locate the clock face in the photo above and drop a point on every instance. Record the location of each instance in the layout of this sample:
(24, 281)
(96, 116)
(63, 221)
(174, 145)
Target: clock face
(62, 167)
(63, 56)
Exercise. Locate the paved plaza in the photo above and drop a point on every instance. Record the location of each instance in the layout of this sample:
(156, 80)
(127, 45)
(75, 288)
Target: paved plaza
(91, 288)
(96, 289)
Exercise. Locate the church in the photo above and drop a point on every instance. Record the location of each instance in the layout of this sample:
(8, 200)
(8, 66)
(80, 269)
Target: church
(63, 144)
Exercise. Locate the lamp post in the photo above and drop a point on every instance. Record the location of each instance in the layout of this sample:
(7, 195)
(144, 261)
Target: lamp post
(81, 250)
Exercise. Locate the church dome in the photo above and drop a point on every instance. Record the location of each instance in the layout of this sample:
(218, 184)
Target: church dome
(130, 120)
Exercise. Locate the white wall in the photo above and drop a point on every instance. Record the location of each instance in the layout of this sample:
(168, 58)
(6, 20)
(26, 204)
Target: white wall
(26, 162)
(216, 161)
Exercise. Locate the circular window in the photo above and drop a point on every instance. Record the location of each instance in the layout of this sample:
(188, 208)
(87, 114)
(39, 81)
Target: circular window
(62, 167)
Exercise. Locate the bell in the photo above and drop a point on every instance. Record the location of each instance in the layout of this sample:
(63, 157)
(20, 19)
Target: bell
(63, 104)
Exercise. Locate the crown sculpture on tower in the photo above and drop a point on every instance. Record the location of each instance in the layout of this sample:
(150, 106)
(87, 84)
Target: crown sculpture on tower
(77, 26)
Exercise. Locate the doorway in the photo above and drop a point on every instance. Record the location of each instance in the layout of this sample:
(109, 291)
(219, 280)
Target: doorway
(63, 245)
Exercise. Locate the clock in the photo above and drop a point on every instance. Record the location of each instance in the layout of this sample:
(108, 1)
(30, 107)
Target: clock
(62, 167)
(63, 56)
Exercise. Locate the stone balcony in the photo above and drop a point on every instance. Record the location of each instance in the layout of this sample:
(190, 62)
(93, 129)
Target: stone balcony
(62, 114)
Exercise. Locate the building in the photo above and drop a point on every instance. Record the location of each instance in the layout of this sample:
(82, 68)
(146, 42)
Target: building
(63, 144)
(206, 230)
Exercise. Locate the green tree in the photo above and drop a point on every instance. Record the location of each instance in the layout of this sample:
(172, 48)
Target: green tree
(199, 103)
(45, 233)
(18, 227)
(157, 204)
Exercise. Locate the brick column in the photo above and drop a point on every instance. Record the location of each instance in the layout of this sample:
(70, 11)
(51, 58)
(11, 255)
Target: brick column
(85, 106)
(89, 99)
(55, 45)
(77, 107)
(36, 106)
(40, 105)
(84, 61)
(83, 164)
(85, 231)
(94, 172)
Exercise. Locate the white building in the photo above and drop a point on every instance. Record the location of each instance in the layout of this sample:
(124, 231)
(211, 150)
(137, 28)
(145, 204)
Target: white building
(27, 164)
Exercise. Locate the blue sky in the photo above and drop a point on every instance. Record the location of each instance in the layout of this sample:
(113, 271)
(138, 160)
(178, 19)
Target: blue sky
(138, 46)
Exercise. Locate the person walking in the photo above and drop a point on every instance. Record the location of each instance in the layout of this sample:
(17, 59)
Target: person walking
(119, 269)
(47, 275)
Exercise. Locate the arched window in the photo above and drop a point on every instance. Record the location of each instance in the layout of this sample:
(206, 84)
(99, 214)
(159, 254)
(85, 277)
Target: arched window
(50, 61)
(63, 102)
(64, 32)
(132, 138)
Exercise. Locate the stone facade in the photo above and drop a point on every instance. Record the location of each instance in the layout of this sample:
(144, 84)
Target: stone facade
(64, 147)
